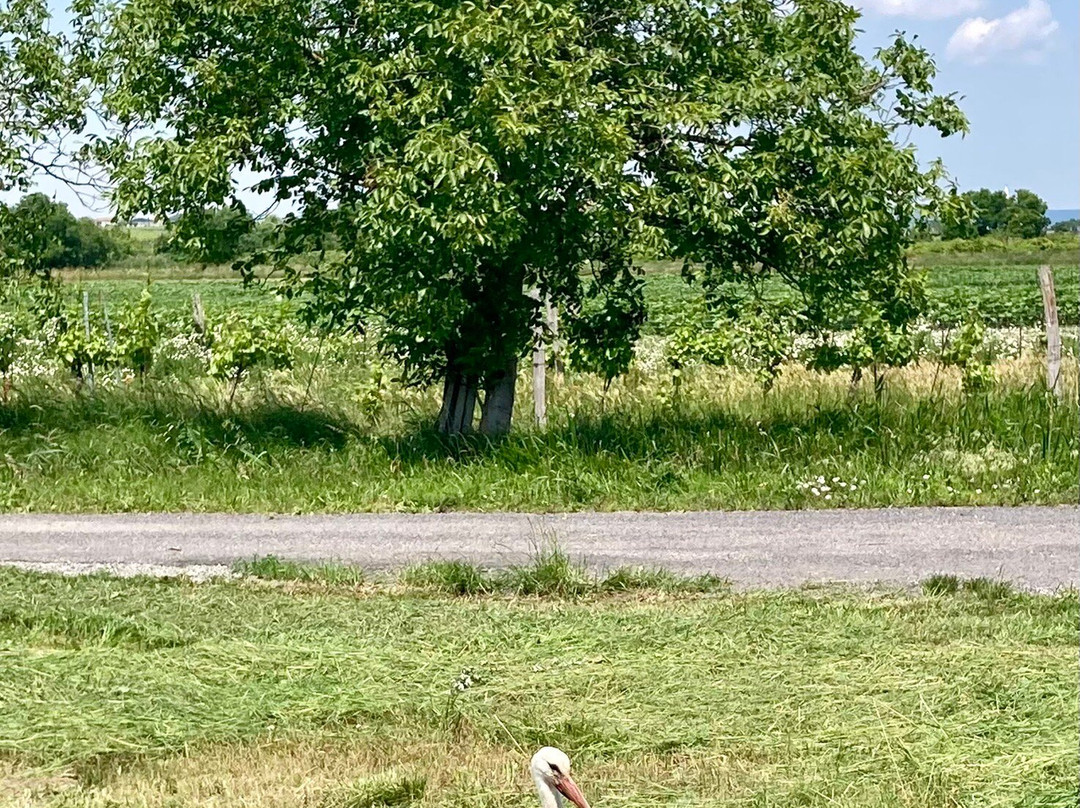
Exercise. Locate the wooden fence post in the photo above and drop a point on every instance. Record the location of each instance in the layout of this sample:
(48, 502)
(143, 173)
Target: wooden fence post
(198, 316)
(539, 369)
(540, 379)
(1053, 332)
(86, 328)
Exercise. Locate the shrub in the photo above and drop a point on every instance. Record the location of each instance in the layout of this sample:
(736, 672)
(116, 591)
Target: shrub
(243, 341)
(80, 351)
(138, 334)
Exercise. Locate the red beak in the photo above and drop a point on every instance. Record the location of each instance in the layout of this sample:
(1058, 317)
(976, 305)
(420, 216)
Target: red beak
(570, 790)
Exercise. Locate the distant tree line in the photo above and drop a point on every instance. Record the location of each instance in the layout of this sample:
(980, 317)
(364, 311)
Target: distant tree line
(986, 212)
(43, 235)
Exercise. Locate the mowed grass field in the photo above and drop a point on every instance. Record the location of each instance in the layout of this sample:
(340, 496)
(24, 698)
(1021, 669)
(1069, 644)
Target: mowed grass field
(335, 693)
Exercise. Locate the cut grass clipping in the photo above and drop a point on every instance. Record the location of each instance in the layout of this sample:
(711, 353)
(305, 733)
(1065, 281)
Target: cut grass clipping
(336, 697)
(385, 790)
(550, 574)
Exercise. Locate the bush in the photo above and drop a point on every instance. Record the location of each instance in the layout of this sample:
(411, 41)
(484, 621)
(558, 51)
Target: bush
(138, 333)
(243, 341)
(80, 351)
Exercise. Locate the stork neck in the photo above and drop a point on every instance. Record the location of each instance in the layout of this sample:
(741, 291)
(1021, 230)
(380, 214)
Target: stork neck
(549, 797)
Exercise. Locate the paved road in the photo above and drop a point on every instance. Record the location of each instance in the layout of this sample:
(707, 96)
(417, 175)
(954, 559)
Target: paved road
(1037, 548)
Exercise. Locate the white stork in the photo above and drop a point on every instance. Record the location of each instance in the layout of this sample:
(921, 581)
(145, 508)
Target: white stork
(551, 772)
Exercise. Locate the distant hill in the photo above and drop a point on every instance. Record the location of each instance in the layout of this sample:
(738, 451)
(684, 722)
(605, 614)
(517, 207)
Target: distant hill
(1062, 214)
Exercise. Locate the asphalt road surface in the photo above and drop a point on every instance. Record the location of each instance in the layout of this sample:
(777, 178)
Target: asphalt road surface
(1034, 547)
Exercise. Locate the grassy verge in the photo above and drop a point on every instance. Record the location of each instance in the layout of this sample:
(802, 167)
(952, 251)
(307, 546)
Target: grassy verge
(152, 693)
(344, 445)
(338, 432)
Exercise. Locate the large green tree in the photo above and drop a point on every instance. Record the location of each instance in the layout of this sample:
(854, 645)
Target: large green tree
(473, 159)
(1026, 216)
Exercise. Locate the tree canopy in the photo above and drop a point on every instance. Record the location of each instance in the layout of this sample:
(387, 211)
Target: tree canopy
(473, 159)
(46, 230)
(986, 212)
(214, 235)
(41, 100)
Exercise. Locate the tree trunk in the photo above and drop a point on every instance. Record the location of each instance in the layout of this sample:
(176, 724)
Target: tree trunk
(499, 401)
(458, 404)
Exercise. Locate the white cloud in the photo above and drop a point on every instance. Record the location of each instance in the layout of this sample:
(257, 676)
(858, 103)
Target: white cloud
(923, 9)
(1025, 33)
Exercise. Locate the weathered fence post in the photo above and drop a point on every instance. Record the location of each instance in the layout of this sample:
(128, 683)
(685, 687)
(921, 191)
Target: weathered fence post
(109, 333)
(539, 369)
(1053, 332)
(198, 316)
(539, 378)
(86, 328)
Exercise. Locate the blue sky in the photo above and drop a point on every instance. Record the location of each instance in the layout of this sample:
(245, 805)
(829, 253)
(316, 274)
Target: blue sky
(1015, 62)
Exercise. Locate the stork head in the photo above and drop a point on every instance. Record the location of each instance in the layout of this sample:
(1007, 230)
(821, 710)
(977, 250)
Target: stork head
(551, 768)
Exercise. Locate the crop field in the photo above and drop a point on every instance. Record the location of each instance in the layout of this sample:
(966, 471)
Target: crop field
(999, 282)
(330, 691)
(1002, 286)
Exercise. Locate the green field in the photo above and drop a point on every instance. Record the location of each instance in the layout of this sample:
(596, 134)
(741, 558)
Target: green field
(165, 694)
(1001, 283)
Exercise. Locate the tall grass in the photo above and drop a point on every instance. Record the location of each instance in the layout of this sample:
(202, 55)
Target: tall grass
(342, 445)
(272, 568)
(720, 443)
